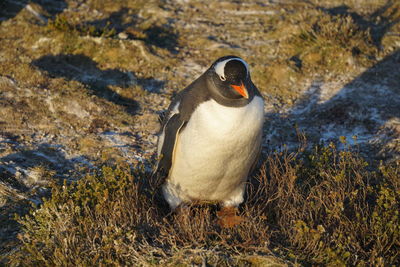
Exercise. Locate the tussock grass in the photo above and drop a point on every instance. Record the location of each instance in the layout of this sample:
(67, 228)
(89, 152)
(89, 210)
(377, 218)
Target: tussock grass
(335, 42)
(61, 23)
(320, 207)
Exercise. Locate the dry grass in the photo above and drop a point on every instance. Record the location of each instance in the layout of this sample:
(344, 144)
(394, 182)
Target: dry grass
(322, 207)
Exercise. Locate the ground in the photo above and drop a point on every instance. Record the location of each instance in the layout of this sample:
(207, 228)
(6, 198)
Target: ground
(82, 82)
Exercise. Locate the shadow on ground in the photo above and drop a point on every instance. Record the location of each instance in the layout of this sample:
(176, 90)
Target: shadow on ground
(10, 8)
(366, 108)
(83, 69)
(124, 20)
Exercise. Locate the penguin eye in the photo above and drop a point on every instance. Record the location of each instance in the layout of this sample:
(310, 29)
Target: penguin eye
(222, 78)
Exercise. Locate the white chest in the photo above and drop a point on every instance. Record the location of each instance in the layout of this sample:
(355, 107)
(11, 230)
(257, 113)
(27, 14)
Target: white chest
(212, 121)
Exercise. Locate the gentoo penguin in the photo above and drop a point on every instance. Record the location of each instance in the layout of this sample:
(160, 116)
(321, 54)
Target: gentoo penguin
(210, 137)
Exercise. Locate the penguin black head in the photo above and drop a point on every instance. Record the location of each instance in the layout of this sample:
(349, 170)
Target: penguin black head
(231, 76)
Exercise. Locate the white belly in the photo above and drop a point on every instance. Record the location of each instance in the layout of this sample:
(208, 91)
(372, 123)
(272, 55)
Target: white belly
(215, 151)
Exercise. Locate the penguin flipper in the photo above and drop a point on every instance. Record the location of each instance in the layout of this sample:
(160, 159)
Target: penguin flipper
(171, 132)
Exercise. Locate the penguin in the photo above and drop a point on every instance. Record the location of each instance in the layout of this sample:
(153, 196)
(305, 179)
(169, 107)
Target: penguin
(210, 138)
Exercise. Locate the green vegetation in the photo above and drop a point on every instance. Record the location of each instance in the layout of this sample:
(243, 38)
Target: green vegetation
(323, 207)
(61, 23)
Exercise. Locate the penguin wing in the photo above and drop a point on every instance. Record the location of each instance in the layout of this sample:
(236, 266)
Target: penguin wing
(167, 143)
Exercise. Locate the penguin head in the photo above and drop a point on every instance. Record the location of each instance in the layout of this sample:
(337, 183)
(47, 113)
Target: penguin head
(231, 76)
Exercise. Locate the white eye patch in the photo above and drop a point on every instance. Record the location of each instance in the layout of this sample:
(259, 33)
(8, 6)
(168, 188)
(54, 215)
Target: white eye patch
(220, 67)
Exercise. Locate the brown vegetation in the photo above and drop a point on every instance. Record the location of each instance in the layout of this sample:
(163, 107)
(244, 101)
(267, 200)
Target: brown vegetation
(322, 207)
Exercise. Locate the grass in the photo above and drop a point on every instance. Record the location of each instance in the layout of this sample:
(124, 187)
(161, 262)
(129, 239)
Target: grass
(320, 207)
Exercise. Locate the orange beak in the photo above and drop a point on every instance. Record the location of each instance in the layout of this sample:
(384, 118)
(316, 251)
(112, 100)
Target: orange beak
(241, 89)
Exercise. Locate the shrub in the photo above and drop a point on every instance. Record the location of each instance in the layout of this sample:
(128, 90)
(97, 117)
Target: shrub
(62, 24)
(319, 207)
(333, 209)
(334, 42)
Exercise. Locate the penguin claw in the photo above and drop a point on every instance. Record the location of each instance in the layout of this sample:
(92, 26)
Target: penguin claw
(227, 217)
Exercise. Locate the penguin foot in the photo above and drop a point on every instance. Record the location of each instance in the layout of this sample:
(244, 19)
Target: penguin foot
(227, 217)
